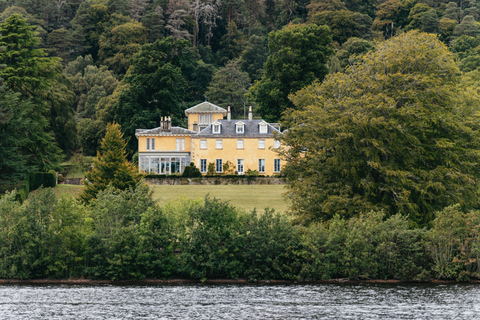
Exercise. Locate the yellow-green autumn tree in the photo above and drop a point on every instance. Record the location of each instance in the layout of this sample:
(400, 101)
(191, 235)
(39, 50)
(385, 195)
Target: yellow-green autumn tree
(110, 167)
(392, 133)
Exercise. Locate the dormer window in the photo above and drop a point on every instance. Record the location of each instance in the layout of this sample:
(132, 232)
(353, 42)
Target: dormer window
(216, 128)
(240, 127)
(263, 127)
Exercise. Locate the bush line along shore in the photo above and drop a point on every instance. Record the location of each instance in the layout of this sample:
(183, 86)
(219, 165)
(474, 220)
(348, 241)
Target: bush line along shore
(126, 235)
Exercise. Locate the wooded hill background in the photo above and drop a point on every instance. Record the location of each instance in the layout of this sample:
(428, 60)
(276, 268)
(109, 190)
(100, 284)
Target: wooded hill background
(70, 67)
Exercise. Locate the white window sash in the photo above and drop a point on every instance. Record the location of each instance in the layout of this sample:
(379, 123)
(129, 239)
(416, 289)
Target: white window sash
(219, 165)
(261, 143)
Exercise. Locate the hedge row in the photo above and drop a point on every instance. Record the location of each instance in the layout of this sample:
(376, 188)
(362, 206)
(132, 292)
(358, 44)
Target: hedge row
(33, 181)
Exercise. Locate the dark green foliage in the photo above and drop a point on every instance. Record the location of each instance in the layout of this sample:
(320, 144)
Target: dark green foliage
(228, 87)
(33, 76)
(125, 235)
(130, 238)
(157, 87)
(90, 135)
(341, 24)
(22, 191)
(191, 172)
(14, 120)
(254, 56)
(41, 238)
(208, 250)
(45, 179)
(298, 56)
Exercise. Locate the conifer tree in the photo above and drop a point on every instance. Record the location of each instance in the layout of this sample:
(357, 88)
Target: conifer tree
(110, 167)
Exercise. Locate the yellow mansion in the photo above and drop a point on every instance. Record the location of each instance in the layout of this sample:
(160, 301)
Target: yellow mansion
(210, 139)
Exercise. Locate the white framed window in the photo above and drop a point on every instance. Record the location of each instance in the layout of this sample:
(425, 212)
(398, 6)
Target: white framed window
(240, 169)
(153, 143)
(203, 165)
(239, 143)
(240, 127)
(276, 144)
(200, 119)
(219, 165)
(261, 143)
(216, 128)
(203, 144)
(261, 165)
(263, 128)
(276, 165)
(219, 144)
(144, 165)
(180, 144)
(148, 143)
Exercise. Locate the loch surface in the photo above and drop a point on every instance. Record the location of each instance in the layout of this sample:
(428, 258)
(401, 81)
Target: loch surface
(326, 301)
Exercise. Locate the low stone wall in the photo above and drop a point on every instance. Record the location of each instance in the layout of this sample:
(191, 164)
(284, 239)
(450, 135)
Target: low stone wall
(76, 181)
(214, 180)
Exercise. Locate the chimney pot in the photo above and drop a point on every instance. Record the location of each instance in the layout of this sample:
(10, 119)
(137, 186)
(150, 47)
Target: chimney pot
(229, 115)
(250, 113)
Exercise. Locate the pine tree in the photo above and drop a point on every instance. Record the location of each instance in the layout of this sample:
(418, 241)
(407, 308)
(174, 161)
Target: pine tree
(110, 167)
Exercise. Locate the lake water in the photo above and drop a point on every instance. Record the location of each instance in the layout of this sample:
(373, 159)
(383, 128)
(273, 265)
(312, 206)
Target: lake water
(328, 301)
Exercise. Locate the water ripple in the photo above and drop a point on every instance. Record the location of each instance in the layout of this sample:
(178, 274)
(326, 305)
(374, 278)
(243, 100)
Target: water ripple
(329, 301)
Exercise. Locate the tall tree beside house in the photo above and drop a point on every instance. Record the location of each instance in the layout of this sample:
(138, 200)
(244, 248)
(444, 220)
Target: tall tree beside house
(111, 167)
(298, 56)
(157, 87)
(394, 133)
(229, 87)
(15, 126)
(39, 78)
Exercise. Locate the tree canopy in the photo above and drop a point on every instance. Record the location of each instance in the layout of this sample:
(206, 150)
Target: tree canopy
(388, 134)
(298, 56)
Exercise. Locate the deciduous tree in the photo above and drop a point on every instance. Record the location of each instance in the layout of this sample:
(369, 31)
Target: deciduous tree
(298, 56)
(386, 135)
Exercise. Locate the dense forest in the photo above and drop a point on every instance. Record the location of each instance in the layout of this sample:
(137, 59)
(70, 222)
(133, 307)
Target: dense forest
(69, 68)
(83, 64)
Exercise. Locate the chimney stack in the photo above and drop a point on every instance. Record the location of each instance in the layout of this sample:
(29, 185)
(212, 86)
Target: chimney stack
(229, 115)
(250, 114)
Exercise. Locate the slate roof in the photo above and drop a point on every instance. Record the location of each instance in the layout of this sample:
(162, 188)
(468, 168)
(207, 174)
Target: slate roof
(205, 107)
(228, 130)
(160, 132)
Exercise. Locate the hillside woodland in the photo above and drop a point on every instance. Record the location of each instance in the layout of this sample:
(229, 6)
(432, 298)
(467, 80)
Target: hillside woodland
(405, 72)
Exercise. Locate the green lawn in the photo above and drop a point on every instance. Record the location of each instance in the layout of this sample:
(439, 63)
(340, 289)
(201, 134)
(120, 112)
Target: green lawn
(69, 189)
(247, 197)
(241, 196)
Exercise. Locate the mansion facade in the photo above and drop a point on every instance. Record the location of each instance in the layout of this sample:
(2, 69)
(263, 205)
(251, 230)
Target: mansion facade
(210, 141)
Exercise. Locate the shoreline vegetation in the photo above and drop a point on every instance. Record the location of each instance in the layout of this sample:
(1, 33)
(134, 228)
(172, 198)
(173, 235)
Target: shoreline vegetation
(153, 282)
(127, 237)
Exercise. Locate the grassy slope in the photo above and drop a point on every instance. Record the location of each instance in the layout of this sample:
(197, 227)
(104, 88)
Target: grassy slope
(247, 197)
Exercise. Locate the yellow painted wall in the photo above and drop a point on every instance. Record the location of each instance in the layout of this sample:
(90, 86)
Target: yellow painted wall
(194, 118)
(163, 143)
(250, 153)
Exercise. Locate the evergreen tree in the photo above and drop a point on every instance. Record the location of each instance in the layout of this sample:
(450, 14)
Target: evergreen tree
(38, 78)
(229, 87)
(110, 167)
